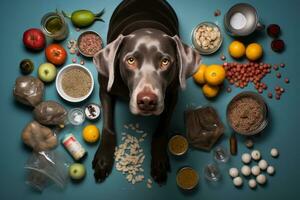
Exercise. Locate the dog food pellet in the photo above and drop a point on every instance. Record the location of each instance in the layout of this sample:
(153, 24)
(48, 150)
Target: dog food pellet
(252, 183)
(223, 57)
(275, 67)
(277, 97)
(233, 172)
(246, 171)
(278, 75)
(246, 158)
(228, 89)
(270, 95)
(282, 65)
(255, 170)
(255, 154)
(263, 164)
(217, 13)
(286, 80)
(274, 152)
(249, 143)
(82, 62)
(270, 170)
(238, 181)
(261, 179)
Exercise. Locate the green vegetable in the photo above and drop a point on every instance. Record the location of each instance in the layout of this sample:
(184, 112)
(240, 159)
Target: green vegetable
(84, 18)
(26, 66)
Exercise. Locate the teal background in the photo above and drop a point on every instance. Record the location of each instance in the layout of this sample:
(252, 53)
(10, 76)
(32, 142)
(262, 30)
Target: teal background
(282, 132)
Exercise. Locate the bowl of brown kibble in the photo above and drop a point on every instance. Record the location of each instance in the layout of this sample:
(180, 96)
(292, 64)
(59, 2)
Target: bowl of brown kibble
(247, 113)
(207, 38)
(74, 83)
(89, 43)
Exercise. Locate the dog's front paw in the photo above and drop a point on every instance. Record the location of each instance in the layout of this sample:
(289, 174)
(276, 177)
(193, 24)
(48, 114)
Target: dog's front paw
(160, 164)
(104, 157)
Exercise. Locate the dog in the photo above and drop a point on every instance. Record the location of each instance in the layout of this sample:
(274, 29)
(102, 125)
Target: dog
(145, 61)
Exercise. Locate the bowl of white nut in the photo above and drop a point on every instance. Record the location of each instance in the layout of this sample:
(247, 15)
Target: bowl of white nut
(207, 38)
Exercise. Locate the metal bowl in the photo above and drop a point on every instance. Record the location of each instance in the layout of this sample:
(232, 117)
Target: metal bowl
(198, 47)
(195, 176)
(79, 39)
(261, 102)
(184, 141)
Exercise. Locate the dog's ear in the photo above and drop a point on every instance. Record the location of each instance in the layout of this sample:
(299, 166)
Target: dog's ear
(188, 60)
(105, 60)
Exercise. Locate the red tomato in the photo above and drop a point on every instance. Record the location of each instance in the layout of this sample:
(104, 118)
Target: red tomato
(56, 54)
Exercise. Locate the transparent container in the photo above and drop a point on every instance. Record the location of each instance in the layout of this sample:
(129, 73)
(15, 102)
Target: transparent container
(212, 172)
(54, 26)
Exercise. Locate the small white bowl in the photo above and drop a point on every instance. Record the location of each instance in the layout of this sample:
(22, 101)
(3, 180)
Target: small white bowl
(59, 86)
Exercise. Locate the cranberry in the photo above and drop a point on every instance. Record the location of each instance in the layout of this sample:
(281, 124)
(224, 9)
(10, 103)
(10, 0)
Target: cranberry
(277, 45)
(273, 30)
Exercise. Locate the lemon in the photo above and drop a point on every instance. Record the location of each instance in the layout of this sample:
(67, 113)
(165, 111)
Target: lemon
(210, 91)
(199, 75)
(91, 133)
(214, 74)
(254, 51)
(236, 49)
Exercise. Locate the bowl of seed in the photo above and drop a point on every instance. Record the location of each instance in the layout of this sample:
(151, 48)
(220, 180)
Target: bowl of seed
(207, 38)
(74, 83)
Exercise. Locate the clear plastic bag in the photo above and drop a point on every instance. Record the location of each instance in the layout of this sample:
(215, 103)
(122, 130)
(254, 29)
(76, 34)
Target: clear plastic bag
(47, 167)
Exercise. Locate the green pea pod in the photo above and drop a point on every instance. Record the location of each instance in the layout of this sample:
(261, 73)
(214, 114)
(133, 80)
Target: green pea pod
(84, 18)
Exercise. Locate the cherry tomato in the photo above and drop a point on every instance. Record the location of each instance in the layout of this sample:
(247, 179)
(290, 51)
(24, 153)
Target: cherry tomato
(56, 54)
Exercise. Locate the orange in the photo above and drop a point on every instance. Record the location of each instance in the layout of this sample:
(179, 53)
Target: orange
(214, 74)
(210, 91)
(199, 75)
(254, 51)
(91, 133)
(236, 49)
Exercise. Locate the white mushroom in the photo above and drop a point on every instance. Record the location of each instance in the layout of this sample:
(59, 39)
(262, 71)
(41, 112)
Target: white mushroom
(246, 171)
(261, 179)
(255, 170)
(233, 172)
(252, 183)
(255, 154)
(246, 158)
(274, 152)
(271, 170)
(263, 164)
(238, 181)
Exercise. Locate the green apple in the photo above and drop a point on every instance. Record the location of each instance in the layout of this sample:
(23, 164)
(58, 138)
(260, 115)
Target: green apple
(77, 171)
(47, 72)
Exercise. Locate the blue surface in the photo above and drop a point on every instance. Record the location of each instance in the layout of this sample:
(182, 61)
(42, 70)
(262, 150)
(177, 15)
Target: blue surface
(282, 132)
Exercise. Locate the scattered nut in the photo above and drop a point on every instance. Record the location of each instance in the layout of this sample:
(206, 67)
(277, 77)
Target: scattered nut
(208, 37)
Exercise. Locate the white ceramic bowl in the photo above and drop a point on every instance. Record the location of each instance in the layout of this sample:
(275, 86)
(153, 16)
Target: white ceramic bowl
(59, 86)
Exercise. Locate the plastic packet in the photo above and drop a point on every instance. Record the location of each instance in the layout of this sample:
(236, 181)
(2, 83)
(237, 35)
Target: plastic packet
(47, 167)
(203, 127)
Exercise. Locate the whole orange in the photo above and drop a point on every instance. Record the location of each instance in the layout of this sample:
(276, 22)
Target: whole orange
(210, 91)
(214, 74)
(91, 133)
(236, 49)
(199, 75)
(254, 51)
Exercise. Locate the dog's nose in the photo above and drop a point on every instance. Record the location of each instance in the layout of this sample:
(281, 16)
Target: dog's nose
(147, 101)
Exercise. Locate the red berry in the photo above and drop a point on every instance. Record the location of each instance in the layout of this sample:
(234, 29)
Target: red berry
(273, 30)
(277, 45)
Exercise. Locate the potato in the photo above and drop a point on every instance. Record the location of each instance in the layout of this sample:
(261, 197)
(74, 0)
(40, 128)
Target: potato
(39, 137)
(29, 90)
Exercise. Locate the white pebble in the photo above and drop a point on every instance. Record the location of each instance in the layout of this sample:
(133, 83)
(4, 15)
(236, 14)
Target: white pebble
(252, 183)
(233, 172)
(261, 179)
(255, 170)
(238, 181)
(246, 171)
(263, 164)
(255, 154)
(274, 152)
(246, 158)
(271, 170)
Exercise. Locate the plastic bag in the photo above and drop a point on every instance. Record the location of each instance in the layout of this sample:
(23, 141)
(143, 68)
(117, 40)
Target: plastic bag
(47, 167)
(50, 113)
(29, 90)
(39, 137)
(203, 127)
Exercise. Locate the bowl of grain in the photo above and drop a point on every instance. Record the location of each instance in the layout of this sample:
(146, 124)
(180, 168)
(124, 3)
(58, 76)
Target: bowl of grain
(89, 43)
(207, 38)
(247, 113)
(74, 83)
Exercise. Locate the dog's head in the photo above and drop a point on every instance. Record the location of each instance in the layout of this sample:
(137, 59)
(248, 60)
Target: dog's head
(148, 61)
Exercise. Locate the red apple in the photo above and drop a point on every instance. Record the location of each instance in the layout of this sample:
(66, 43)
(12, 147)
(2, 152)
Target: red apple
(34, 39)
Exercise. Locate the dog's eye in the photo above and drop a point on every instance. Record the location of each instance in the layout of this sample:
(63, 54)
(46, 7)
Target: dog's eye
(164, 63)
(130, 61)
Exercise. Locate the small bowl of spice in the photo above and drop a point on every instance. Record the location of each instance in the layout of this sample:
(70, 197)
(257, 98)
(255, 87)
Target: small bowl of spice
(187, 178)
(74, 83)
(178, 145)
(89, 43)
(207, 38)
(247, 113)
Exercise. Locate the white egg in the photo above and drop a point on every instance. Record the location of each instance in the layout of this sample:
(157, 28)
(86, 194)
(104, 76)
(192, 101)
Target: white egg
(246, 171)
(274, 152)
(255, 154)
(255, 170)
(263, 164)
(246, 158)
(271, 170)
(261, 179)
(252, 183)
(233, 172)
(238, 181)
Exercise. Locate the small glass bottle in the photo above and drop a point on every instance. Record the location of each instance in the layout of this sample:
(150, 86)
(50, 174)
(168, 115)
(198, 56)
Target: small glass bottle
(212, 172)
(221, 154)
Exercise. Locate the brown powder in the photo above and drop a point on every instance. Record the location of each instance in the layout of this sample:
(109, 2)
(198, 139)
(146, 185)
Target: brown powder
(245, 115)
(76, 82)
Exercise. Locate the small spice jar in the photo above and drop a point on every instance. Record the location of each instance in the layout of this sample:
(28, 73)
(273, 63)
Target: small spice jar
(74, 147)
(92, 111)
